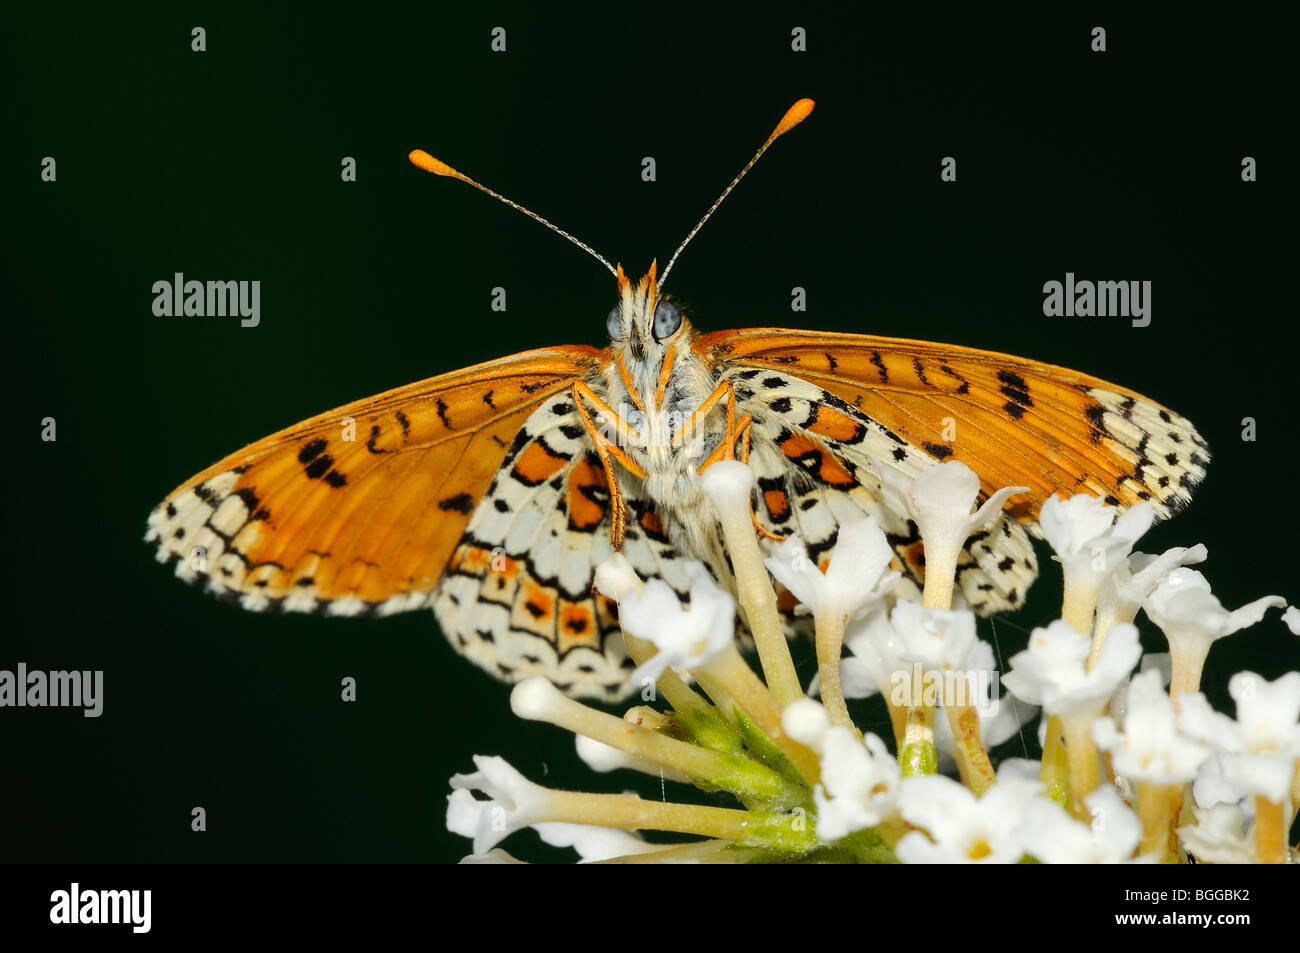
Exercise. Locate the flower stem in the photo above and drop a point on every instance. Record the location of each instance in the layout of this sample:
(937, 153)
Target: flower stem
(733, 772)
(629, 812)
(752, 696)
(1187, 668)
(972, 759)
(1079, 603)
(758, 599)
(677, 693)
(940, 572)
(830, 646)
(1270, 831)
(1082, 764)
(1106, 619)
(917, 756)
(1156, 809)
(1054, 769)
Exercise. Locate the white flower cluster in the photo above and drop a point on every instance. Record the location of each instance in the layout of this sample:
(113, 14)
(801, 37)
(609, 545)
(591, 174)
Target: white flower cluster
(1131, 770)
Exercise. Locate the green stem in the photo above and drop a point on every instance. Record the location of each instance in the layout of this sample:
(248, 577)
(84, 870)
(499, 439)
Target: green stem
(1053, 773)
(917, 755)
(830, 646)
(1083, 769)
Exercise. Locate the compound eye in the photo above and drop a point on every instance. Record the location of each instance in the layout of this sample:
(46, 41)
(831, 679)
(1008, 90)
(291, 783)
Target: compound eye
(614, 323)
(668, 318)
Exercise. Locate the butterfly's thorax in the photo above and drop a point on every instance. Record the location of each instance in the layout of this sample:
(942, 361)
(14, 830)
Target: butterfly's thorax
(663, 438)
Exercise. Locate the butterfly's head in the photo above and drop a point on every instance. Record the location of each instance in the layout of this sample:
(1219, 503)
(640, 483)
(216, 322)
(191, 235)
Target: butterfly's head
(644, 325)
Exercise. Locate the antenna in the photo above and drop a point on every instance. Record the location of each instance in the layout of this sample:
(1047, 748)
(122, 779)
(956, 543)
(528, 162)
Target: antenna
(422, 160)
(793, 116)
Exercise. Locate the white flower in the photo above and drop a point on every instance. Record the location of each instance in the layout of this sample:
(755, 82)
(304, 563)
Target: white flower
(1091, 545)
(1150, 749)
(1292, 619)
(615, 577)
(1217, 836)
(1260, 747)
(1051, 672)
(1213, 786)
(728, 484)
(514, 803)
(1124, 591)
(1152, 661)
(1192, 619)
(1019, 769)
(856, 577)
(594, 843)
(859, 785)
(961, 828)
(937, 638)
(685, 636)
(999, 718)
(939, 499)
(1054, 837)
(1087, 538)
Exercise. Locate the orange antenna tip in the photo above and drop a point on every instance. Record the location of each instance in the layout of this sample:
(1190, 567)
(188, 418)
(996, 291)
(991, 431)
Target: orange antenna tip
(422, 160)
(793, 116)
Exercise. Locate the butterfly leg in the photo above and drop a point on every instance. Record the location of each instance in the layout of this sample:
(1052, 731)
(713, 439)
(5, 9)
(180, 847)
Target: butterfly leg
(738, 428)
(724, 391)
(608, 451)
(746, 429)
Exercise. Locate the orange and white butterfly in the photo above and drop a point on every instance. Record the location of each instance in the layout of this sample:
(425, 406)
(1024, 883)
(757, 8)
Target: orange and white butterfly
(490, 494)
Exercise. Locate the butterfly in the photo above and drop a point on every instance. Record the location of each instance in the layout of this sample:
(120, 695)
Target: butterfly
(489, 494)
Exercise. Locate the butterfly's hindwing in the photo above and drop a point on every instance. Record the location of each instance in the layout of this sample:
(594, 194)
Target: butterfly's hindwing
(517, 597)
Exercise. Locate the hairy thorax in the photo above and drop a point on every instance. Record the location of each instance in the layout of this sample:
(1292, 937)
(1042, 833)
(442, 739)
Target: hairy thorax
(669, 446)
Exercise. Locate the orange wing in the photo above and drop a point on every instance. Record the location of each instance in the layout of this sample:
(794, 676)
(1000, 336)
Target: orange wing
(358, 509)
(1016, 422)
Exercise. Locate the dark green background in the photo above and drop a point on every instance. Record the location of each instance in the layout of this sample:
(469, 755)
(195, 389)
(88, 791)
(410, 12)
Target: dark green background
(225, 165)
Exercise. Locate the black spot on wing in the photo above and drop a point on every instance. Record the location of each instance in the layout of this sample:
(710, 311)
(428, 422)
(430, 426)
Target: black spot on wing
(880, 367)
(319, 466)
(312, 449)
(460, 503)
(938, 450)
(1014, 386)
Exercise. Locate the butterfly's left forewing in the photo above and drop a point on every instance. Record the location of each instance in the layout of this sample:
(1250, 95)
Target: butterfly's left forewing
(358, 510)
